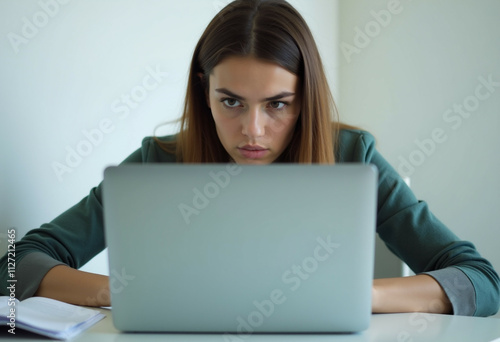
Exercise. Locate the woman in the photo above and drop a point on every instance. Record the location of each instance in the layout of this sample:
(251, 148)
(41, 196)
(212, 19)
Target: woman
(257, 94)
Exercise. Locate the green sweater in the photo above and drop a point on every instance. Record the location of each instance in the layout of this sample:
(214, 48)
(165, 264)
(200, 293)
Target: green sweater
(404, 223)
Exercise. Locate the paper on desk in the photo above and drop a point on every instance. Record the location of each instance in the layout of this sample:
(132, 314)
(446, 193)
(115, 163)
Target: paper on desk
(53, 318)
(53, 315)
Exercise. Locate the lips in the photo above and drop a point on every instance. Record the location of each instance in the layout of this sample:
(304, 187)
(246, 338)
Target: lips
(253, 151)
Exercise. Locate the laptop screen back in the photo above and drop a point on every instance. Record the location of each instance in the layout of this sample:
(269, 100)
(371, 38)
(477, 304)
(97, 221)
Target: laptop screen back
(240, 249)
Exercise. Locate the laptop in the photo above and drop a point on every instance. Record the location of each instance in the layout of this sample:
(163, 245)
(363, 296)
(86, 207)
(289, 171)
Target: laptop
(240, 249)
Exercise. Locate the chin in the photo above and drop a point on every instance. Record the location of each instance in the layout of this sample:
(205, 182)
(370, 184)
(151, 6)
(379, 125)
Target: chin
(253, 162)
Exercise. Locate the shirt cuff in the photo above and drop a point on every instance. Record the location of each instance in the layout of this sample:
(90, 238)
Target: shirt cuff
(30, 272)
(458, 288)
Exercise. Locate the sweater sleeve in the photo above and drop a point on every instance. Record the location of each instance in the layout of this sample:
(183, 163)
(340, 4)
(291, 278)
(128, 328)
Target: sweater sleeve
(72, 238)
(424, 243)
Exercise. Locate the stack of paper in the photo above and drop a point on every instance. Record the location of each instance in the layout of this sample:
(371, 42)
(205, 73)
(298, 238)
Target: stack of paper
(47, 317)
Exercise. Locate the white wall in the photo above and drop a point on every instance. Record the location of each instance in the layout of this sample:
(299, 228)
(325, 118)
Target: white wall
(400, 83)
(65, 74)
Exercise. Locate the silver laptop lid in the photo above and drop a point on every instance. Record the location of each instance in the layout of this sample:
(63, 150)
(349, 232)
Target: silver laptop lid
(240, 249)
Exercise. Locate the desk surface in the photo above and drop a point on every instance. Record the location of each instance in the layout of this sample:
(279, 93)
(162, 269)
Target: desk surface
(394, 327)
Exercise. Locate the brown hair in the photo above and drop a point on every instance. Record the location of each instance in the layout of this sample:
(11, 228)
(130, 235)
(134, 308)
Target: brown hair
(271, 30)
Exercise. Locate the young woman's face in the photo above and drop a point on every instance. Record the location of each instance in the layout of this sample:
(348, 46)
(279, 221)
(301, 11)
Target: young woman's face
(255, 105)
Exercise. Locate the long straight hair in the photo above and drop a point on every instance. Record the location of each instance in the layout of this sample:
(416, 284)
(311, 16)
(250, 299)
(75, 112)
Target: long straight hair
(270, 30)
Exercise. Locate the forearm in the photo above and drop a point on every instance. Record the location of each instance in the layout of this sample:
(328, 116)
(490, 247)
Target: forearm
(420, 293)
(75, 287)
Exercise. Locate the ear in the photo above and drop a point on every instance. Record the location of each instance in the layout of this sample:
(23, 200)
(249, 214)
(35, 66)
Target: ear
(203, 81)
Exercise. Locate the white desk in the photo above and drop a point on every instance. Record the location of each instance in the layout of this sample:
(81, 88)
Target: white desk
(395, 327)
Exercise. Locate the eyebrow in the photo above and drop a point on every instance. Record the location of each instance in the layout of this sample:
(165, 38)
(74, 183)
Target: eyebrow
(238, 97)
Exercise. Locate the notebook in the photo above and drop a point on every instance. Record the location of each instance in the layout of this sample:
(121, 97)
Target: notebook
(240, 249)
(46, 316)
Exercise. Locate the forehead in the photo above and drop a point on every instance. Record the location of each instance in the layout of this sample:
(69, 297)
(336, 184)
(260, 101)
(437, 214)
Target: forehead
(252, 78)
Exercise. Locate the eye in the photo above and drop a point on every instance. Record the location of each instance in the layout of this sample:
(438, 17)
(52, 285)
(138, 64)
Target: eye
(231, 103)
(278, 105)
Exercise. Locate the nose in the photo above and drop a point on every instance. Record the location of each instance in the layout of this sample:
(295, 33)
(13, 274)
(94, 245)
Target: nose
(254, 122)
